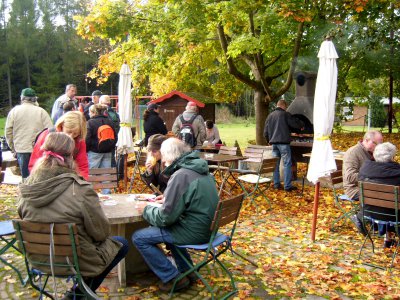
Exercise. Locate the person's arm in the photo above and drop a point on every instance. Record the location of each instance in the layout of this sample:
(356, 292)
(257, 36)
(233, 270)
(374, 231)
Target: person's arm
(89, 135)
(176, 126)
(37, 151)
(216, 135)
(202, 129)
(173, 205)
(294, 122)
(46, 120)
(81, 159)
(161, 126)
(351, 168)
(95, 221)
(8, 131)
(266, 130)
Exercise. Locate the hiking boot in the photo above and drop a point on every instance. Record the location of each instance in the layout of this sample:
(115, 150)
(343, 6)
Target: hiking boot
(292, 188)
(359, 225)
(181, 284)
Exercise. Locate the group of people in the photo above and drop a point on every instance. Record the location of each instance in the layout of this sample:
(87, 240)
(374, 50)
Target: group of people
(28, 125)
(371, 160)
(55, 189)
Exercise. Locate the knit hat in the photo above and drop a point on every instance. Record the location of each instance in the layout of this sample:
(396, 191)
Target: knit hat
(192, 103)
(152, 106)
(155, 141)
(97, 93)
(28, 92)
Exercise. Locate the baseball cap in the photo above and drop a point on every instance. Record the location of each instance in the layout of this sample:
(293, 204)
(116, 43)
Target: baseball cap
(153, 106)
(28, 92)
(97, 93)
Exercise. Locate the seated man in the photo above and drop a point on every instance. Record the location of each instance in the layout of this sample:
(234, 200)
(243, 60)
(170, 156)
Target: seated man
(190, 200)
(55, 193)
(354, 158)
(383, 170)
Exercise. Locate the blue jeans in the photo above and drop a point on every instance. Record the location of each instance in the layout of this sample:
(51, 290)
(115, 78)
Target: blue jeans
(282, 151)
(100, 160)
(146, 241)
(94, 282)
(23, 162)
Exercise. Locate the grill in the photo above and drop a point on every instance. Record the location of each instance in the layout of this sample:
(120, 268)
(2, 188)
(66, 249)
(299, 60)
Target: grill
(302, 107)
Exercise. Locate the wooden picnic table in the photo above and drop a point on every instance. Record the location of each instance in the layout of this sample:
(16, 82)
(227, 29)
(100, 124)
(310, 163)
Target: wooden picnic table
(125, 220)
(8, 160)
(221, 160)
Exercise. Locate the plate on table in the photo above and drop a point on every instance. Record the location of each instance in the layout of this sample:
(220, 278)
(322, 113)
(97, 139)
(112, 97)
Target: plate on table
(142, 197)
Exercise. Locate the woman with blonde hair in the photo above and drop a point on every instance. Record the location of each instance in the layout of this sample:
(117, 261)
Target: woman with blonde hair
(72, 123)
(54, 193)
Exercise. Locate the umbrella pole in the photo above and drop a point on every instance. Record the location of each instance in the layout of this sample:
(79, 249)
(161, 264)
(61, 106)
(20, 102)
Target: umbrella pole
(315, 211)
(126, 171)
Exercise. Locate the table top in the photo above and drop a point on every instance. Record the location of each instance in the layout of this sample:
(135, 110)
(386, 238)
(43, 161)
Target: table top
(123, 211)
(338, 155)
(208, 148)
(8, 160)
(220, 158)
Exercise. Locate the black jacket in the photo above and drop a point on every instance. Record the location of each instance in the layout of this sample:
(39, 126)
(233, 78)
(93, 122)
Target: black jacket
(153, 125)
(384, 173)
(93, 124)
(279, 125)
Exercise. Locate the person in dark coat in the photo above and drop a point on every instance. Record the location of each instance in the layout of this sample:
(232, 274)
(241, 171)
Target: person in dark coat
(383, 170)
(153, 124)
(154, 167)
(277, 132)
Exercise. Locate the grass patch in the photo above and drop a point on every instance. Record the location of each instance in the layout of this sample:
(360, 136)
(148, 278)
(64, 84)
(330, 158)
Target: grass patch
(243, 133)
(2, 125)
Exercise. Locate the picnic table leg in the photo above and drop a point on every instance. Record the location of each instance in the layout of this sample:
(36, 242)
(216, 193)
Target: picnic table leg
(121, 265)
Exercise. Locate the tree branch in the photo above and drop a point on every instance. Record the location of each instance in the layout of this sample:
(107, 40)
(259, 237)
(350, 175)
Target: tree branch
(230, 64)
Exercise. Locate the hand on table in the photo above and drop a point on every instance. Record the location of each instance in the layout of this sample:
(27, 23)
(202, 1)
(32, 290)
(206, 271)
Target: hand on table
(140, 205)
(159, 199)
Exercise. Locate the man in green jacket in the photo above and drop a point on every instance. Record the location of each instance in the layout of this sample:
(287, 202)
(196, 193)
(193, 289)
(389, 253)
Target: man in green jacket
(188, 208)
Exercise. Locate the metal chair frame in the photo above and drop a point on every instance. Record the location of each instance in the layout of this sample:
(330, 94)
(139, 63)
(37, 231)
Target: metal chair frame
(227, 212)
(38, 240)
(384, 196)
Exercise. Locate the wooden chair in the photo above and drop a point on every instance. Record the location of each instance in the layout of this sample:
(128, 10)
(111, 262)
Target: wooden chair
(51, 250)
(342, 201)
(103, 178)
(222, 230)
(379, 204)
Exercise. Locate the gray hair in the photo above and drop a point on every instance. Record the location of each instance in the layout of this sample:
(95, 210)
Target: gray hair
(172, 149)
(385, 152)
(68, 86)
(29, 99)
(369, 135)
(105, 99)
(191, 108)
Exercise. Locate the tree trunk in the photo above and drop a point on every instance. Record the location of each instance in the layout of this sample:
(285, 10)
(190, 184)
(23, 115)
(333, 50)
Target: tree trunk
(261, 112)
(9, 84)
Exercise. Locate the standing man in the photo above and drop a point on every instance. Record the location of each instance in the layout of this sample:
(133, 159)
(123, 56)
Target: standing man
(191, 116)
(278, 127)
(95, 100)
(23, 124)
(70, 92)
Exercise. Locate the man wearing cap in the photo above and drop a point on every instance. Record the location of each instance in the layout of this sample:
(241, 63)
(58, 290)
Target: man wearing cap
(95, 100)
(57, 110)
(153, 124)
(23, 124)
(199, 128)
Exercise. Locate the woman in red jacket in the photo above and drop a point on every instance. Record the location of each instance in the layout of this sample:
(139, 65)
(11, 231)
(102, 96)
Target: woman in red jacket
(72, 123)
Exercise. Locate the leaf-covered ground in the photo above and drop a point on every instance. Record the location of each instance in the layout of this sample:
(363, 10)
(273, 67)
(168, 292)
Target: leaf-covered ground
(289, 265)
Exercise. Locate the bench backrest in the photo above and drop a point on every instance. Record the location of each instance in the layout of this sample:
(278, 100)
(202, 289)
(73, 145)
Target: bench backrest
(103, 178)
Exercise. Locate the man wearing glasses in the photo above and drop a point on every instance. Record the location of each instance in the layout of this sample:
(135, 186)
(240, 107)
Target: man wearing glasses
(352, 162)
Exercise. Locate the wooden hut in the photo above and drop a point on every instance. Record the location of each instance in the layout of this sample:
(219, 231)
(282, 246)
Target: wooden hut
(174, 103)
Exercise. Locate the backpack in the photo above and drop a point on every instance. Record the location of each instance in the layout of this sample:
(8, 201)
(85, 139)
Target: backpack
(106, 137)
(113, 116)
(186, 132)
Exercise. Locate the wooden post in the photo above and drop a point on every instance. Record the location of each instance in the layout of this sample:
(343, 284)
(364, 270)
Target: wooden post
(315, 211)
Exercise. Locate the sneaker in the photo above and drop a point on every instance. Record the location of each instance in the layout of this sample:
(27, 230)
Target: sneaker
(181, 284)
(292, 188)
(359, 225)
(279, 187)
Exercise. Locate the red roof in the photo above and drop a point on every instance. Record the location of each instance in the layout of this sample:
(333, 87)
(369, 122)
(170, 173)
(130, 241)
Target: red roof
(180, 94)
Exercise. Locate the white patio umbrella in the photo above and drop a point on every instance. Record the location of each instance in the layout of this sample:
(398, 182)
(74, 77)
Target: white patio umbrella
(125, 142)
(322, 162)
